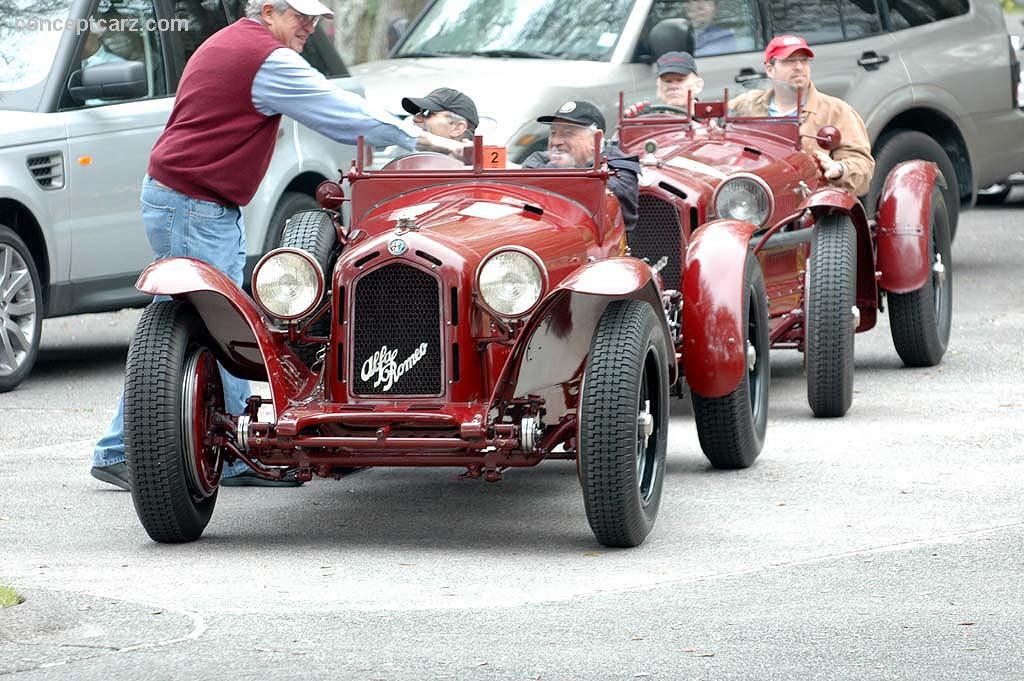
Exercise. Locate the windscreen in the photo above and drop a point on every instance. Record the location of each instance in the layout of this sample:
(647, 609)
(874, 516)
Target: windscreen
(30, 31)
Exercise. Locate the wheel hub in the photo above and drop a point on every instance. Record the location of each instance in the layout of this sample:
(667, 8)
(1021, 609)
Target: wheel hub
(17, 311)
(939, 270)
(202, 397)
(645, 422)
(751, 356)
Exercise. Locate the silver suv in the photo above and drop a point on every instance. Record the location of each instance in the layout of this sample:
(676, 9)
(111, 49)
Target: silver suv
(86, 87)
(933, 79)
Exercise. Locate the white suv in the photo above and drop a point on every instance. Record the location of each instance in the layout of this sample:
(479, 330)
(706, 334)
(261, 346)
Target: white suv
(80, 110)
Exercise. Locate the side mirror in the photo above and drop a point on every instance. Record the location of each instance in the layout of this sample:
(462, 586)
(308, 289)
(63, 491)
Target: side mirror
(396, 29)
(113, 80)
(829, 138)
(670, 35)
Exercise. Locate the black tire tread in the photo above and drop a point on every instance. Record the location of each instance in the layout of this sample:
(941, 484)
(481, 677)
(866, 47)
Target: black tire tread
(12, 381)
(829, 337)
(608, 427)
(152, 423)
(730, 436)
(919, 336)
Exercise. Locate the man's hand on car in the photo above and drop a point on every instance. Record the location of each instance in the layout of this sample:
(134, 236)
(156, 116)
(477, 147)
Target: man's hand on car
(830, 168)
(430, 142)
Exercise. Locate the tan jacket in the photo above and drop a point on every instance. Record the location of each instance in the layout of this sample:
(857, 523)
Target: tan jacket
(821, 110)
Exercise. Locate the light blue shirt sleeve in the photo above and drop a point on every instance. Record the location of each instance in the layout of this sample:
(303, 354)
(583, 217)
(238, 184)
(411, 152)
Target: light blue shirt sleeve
(287, 84)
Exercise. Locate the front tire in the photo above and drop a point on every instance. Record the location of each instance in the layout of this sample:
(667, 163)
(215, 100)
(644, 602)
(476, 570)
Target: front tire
(623, 424)
(921, 320)
(172, 393)
(830, 300)
(731, 429)
(21, 310)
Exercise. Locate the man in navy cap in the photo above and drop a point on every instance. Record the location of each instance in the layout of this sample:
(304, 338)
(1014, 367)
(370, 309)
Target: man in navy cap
(677, 81)
(444, 112)
(571, 145)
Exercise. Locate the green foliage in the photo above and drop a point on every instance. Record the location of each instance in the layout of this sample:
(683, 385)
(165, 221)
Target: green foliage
(9, 597)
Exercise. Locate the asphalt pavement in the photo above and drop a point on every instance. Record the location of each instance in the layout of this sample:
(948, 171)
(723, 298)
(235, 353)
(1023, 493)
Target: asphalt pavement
(884, 545)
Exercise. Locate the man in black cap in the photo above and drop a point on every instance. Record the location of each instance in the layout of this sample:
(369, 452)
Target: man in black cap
(677, 81)
(444, 112)
(571, 145)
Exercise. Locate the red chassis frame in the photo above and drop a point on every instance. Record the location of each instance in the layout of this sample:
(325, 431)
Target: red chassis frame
(513, 374)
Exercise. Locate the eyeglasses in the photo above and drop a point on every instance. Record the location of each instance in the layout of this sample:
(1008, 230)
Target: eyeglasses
(793, 61)
(306, 20)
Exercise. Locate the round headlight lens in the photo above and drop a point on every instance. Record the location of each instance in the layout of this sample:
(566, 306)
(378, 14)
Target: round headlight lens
(510, 283)
(287, 283)
(743, 198)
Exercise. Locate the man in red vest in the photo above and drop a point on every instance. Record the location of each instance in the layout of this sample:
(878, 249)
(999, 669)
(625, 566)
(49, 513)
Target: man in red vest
(216, 148)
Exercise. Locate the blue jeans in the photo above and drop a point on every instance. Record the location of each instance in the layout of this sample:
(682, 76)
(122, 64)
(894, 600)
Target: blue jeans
(178, 225)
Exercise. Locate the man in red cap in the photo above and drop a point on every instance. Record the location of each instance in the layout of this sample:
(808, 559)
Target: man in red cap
(787, 60)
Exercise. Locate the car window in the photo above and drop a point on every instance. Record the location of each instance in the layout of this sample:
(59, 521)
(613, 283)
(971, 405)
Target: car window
(125, 31)
(719, 27)
(29, 37)
(907, 13)
(817, 21)
(203, 17)
(584, 30)
(860, 18)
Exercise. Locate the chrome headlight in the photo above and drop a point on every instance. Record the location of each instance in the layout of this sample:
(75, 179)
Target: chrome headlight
(287, 283)
(744, 197)
(510, 281)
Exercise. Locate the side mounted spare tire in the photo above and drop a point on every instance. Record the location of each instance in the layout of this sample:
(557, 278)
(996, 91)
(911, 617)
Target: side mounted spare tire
(312, 231)
(896, 146)
(290, 204)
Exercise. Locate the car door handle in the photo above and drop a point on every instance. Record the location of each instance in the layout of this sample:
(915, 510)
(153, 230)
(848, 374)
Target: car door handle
(871, 60)
(747, 74)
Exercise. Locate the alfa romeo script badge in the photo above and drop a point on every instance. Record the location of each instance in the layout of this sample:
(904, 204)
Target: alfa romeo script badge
(397, 247)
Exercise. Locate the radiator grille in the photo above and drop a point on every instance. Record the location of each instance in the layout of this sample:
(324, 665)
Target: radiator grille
(47, 170)
(396, 334)
(658, 234)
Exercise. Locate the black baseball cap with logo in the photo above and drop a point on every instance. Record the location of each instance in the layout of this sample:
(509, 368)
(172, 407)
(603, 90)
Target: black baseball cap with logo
(682, 63)
(444, 99)
(578, 112)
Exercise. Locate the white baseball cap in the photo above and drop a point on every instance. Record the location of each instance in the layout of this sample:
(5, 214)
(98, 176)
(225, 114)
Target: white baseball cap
(313, 8)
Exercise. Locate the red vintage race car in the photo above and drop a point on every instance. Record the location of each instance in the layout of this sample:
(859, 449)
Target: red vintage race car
(828, 266)
(468, 317)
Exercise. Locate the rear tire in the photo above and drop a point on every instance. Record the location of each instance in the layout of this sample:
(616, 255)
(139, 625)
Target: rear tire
(731, 429)
(313, 232)
(623, 424)
(829, 314)
(920, 321)
(896, 146)
(172, 390)
(21, 310)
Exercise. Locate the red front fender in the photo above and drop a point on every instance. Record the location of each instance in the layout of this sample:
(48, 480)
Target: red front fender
(242, 340)
(714, 360)
(904, 218)
(565, 321)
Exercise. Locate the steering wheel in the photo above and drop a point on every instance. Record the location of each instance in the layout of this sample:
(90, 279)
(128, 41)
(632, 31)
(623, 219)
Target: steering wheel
(424, 160)
(666, 108)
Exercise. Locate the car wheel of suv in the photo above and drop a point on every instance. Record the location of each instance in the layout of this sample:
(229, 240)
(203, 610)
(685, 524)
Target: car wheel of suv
(994, 195)
(172, 396)
(920, 321)
(623, 424)
(21, 310)
(290, 204)
(897, 146)
(830, 312)
(731, 429)
(313, 232)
